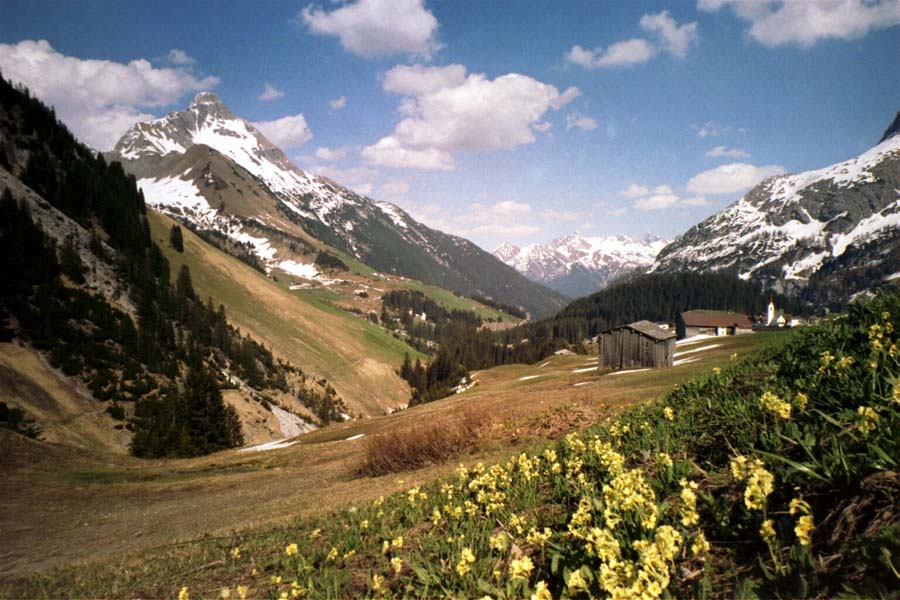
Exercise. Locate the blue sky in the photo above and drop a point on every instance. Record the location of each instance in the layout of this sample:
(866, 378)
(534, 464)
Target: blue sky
(499, 121)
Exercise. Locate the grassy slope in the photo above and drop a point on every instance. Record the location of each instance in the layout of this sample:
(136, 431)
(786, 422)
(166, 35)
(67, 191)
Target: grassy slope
(359, 359)
(96, 510)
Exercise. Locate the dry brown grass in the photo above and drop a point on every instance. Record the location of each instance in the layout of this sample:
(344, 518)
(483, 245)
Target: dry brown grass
(430, 444)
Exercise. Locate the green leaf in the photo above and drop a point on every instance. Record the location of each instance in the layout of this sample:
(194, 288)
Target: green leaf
(798, 466)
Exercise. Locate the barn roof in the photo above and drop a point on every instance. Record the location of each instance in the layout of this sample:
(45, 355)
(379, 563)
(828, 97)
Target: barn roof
(651, 330)
(714, 318)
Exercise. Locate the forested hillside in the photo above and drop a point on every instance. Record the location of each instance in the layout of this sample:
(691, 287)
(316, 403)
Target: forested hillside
(156, 353)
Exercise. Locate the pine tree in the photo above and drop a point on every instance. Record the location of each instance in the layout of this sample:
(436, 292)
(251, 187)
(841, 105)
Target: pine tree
(175, 238)
(183, 286)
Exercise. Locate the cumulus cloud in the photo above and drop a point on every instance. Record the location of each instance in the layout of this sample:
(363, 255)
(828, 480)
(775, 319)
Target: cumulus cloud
(98, 99)
(804, 23)
(270, 92)
(331, 154)
(720, 151)
(338, 103)
(506, 209)
(482, 221)
(370, 28)
(695, 201)
(668, 36)
(447, 111)
(180, 57)
(580, 121)
(730, 178)
(635, 191)
(418, 80)
(287, 132)
(617, 212)
(351, 176)
(559, 215)
(657, 202)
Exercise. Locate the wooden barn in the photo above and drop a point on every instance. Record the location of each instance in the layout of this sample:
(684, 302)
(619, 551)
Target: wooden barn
(637, 345)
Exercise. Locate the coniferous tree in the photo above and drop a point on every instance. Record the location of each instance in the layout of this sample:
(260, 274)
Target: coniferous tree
(175, 238)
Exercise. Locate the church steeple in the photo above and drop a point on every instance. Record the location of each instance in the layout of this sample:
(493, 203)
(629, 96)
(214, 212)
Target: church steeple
(770, 314)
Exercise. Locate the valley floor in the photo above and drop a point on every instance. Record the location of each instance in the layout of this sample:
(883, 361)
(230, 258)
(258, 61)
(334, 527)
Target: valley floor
(62, 507)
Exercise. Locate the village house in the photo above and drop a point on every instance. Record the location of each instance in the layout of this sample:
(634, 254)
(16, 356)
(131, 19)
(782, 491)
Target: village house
(712, 322)
(636, 345)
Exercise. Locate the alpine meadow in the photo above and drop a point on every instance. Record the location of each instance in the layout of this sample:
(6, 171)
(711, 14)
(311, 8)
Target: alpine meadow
(429, 299)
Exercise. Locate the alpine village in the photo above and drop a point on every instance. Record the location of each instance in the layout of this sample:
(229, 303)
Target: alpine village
(434, 299)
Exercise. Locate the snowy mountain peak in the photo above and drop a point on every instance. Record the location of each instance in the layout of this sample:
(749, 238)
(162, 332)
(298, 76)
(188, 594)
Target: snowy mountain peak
(807, 229)
(577, 265)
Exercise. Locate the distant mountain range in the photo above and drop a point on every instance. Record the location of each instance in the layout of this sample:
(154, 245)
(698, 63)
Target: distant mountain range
(577, 265)
(825, 235)
(216, 172)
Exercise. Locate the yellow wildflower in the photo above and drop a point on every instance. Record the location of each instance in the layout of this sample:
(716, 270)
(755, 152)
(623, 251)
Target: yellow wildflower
(291, 549)
(397, 542)
(183, 594)
(242, 591)
(700, 544)
(670, 414)
(436, 516)
(385, 546)
(767, 531)
(825, 360)
(759, 486)
(717, 371)
(364, 524)
(576, 582)
(316, 533)
(499, 542)
(688, 510)
(521, 567)
(739, 467)
(804, 529)
(283, 596)
(541, 592)
(377, 580)
(772, 403)
(235, 553)
(349, 553)
(275, 579)
(225, 593)
(537, 538)
(466, 558)
(798, 505)
(332, 554)
(664, 460)
(868, 419)
(801, 400)
(396, 564)
(734, 356)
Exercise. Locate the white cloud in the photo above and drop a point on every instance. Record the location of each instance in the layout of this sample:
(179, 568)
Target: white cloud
(617, 212)
(713, 129)
(733, 177)
(417, 80)
(635, 191)
(370, 28)
(657, 202)
(338, 103)
(395, 187)
(270, 92)
(720, 151)
(806, 22)
(287, 132)
(672, 37)
(505, 209)
(582, 122)
(98, 99)
(662, 189)
(695, 201)
(355, 175)
(331, 154)
(180, 57)
(510, 230)
(389, 152)
(447, 112)
(363, 189)
(668, 36)
(621, 54)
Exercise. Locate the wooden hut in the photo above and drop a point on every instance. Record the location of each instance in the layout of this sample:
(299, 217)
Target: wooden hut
(711, 322)
(636, 345)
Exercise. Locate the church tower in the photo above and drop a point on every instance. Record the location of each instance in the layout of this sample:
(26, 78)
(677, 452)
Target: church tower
(770, 314)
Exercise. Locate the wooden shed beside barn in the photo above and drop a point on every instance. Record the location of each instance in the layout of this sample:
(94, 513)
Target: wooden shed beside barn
(636, 345)
(712, 322)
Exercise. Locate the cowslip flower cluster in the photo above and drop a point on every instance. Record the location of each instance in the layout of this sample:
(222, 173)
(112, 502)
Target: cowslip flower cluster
(291, 550)
(520, 568)
(688, 509)
(466, 559)
(867, 419)
(772, 403)
(760, 482)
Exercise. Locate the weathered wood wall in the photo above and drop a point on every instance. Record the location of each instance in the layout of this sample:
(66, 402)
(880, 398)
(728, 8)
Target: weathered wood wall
(624, 348)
